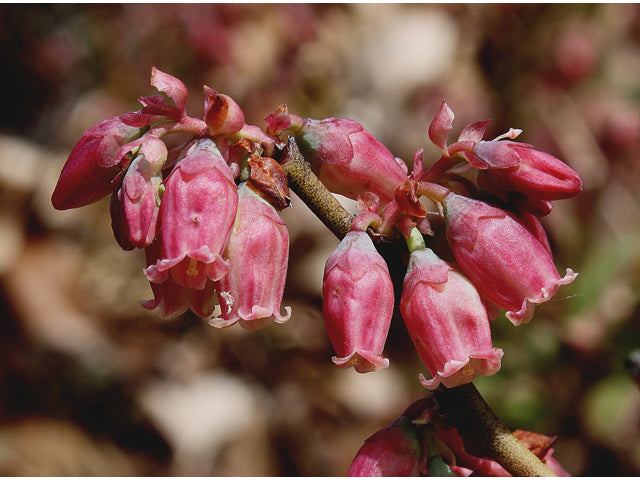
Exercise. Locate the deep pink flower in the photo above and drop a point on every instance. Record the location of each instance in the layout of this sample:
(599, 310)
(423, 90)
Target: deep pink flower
(447, 322)
(357, 296)
(196, 215)
(501, 256)
(349, 160)
(518, 167)
(94, 168)
(345, 156)
(135, 207)
(394, 451)
(172, 299)
(258, 251)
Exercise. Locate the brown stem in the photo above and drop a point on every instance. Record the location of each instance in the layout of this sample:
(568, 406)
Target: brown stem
(313, 193)
(464, 405)
(475, 421)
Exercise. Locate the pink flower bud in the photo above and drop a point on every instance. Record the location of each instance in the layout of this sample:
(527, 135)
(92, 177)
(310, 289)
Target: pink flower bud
(447, 322)
(173, 299)
(196, 214)
(501, 256)
(136, 205)
(393, 451)
(349, 160)
(94, 168)
(258, 250)
(357, 305)
(520, 168)
(221, 113)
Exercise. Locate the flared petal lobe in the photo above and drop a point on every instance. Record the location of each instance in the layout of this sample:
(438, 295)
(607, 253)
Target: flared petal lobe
(447, 322)
(357, 295)
(172, 299)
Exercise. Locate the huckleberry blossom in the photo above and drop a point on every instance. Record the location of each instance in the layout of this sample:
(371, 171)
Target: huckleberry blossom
(94, 169)
(501, 256)
(258, 251)
(135, 206)
(447, 322)
(357, 303)
(518, 167)
(350, 160)
(197, 213)
(347, 158)
(394, 451)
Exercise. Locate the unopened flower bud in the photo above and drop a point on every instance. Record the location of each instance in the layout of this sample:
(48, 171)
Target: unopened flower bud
(136, 205)
(357, 296)
(394, 451)
(94, 169)
(349, 160)
(518, 167)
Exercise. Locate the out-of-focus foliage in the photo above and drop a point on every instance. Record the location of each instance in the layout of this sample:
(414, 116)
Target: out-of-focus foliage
(92, 384)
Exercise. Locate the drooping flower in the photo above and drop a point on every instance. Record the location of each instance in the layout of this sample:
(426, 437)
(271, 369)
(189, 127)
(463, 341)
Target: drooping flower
(197, 213)
(394, 451)
(258, 252)
(447, 322)
(357, 295)
(501, 256)
(135, 207)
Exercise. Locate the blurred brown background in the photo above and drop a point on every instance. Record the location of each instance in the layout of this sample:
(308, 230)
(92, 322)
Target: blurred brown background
(93, 384)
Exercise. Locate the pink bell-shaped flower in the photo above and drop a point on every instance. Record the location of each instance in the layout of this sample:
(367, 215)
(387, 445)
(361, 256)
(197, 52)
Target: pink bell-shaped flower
(518, 167)
(447, 322)
(357, 295)
(135, 207)
(94, 168)
(172, 299)
(258, 252)
(347, 158)
(196, 215)
(501, 256)
(394, 451)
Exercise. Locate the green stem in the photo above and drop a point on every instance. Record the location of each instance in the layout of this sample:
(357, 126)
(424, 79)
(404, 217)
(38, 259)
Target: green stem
(468, 411)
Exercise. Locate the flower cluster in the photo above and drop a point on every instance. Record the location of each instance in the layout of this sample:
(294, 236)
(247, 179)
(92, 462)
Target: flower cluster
(204, 208)
(420, 443)
(494, 255)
